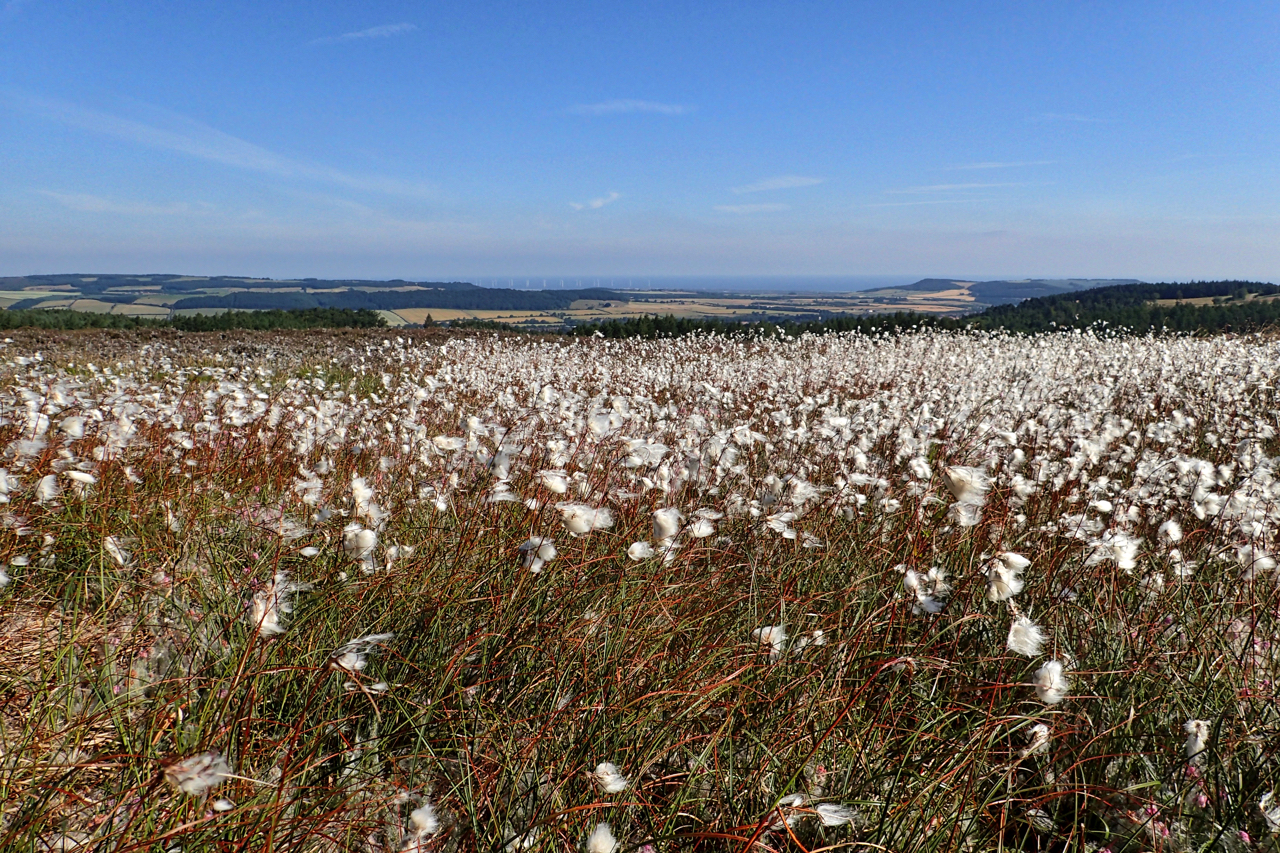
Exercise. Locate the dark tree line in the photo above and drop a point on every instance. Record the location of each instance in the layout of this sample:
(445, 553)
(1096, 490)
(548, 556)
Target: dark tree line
(318, 318)
(1122, 308)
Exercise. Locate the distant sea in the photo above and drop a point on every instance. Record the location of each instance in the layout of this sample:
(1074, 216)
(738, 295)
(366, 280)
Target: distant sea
(773, 283)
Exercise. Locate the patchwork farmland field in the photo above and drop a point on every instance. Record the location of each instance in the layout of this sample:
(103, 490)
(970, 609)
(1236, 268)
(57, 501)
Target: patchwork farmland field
(438, 591)
(403, 303)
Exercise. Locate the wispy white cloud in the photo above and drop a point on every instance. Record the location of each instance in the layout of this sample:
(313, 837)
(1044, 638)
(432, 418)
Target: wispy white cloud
(751, 208)
(384, 31)
(969, 200)
(626, 105)
(1070, 117)
(1011, 165)
(781, 182)
(596, 203)
(85, 203)
(950, 188)
(184, 135)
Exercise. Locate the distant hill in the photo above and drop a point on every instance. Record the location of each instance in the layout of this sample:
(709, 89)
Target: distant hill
(160, 295)
(1135, 308)
(984, 293)
(1200, 306)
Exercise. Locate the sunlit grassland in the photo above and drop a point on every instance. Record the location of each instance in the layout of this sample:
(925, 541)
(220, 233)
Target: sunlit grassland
(215, 463)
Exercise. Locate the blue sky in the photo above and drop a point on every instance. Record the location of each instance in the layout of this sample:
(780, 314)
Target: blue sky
(434, 140)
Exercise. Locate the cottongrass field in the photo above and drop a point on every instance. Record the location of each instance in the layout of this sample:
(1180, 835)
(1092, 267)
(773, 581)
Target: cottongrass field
(929, 591)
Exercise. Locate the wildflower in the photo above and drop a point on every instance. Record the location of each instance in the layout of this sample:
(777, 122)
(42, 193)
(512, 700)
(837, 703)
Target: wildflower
(608, 778)
(1254, 560)
(704, 523)
(781, 523)
(395, 552)
(1025, 637)
(271, 605)
(361, 494)
(537, 551)
(223, 805)
(775, 636)
(72, 427)
(1197, 740)
(502, 493)
(640, 551)
(601, 840)
(1051, 683)
(1013, 561)
(702, 528)
(198, 773)
(816, 637)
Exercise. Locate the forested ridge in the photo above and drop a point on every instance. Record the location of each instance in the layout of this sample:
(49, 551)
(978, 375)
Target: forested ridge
(1218, 306)
(316, 318)
(1233, 306)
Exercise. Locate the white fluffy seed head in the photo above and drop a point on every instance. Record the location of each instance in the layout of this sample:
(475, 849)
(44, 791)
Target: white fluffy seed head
(666, 523)
(198, 773)
(601, 840)
(424, 820)
(1025, 637)
(1003, 583)
(640, 551)
(1051, 682)
(609, 779)
(775, 636)
(1170, 532)
(834, 814)
(1197, 740)
(969, 485)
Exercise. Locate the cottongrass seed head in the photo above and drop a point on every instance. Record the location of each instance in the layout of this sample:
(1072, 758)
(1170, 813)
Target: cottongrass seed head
(608, 778)
(196, 774)
(775, 636)
(1025, 637)
(601, 840)
(270, 606)
(1197, 740)
(1051, 682)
